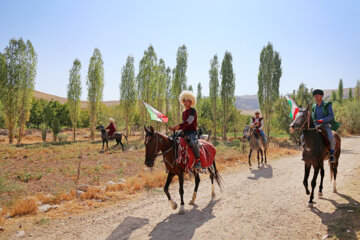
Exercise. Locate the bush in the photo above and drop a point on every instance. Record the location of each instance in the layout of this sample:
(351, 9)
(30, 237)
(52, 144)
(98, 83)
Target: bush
(62, 137)
(55, 127)
(43, 129)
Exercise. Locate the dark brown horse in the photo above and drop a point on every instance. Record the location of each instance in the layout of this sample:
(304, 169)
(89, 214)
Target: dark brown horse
(158, 144)
(105, 137)
(315, 151)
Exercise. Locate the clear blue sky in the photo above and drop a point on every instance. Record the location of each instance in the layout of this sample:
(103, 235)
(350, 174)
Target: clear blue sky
(319, 41)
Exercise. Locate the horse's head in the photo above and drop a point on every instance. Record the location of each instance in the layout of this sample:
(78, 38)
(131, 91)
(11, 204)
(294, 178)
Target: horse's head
(300, 120)
(100, 127)
(152, 146)
(247, 131)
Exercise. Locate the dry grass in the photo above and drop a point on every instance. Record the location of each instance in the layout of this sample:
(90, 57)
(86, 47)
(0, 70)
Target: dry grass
(93, 193)
(24, 206)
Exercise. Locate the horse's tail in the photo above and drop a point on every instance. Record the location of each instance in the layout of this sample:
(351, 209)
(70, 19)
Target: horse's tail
(125, 137)
(218, 178)
(332, 170)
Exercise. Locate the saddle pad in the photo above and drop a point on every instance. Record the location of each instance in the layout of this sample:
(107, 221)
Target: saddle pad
(186, 156)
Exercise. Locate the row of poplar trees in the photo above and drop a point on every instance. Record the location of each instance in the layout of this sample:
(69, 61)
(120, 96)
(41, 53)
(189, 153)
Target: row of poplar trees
(160, 86)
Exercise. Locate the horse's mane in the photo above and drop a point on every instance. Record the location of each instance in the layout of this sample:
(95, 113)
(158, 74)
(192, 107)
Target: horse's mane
(162, 135)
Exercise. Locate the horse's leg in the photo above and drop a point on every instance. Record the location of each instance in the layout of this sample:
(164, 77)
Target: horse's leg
(265, 150)
(250, 156)
(333, 168)
(197, 181)
(313, 185)
(306, 176)
(166, 190)
(258, 158)
(181, 191)
(107, 144)
(103, 145)
(262, 156)
(322, 173)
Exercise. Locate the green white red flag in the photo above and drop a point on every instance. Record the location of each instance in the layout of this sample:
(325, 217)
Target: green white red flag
(294, 107)
(155, 114)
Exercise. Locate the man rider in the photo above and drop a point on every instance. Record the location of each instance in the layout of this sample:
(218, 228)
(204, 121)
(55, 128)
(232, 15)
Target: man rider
(323, 116)
(258, 123)
(189, 124)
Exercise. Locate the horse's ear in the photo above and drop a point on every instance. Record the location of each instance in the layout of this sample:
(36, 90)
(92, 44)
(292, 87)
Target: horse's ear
(152, 129)
(146, 129)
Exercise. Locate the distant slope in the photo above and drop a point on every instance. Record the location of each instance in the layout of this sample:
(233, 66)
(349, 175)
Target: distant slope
(246, 103)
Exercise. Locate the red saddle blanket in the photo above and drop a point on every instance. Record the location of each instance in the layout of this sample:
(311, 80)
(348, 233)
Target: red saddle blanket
(186, 157)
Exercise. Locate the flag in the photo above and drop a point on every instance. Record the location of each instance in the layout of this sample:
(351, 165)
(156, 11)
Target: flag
(155, 114)
(294, 107)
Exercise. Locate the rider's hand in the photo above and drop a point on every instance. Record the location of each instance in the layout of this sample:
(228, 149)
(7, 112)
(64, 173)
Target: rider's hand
(171, 128)
(320, 121)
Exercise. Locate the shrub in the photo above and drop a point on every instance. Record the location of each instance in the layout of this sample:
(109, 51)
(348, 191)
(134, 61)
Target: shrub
(55, 127)
(43, 129)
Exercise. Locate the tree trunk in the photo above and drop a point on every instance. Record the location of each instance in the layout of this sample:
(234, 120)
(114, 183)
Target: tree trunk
(75, 131)
(11, 135)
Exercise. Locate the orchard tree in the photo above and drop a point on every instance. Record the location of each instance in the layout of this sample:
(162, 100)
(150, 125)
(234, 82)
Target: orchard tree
(268, 82)
(95, 83)
(350, 94)
(357, 91)
(340, 91)
(199, 93)
(74, 93)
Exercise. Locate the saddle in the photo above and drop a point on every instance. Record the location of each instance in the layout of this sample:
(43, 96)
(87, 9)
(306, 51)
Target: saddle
(185, 155)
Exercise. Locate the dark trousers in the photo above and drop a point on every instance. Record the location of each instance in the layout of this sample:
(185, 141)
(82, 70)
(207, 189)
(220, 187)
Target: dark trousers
(193, 142)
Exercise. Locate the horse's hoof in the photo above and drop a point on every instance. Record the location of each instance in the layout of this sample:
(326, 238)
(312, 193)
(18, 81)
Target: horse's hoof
(182, 210)
(173, 204)
(307, 193)
(320, 194)
(334, 191)
(310, 205)
(192, 201)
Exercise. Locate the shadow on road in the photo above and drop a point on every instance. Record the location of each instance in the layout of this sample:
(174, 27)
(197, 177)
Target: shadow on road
(126, 227)
(347, 151)
(183, 226)
(343, 222)
(264, 171)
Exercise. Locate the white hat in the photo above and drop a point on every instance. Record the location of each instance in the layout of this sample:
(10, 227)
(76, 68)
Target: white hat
(187, 95)
(257, 111)
(111, 120)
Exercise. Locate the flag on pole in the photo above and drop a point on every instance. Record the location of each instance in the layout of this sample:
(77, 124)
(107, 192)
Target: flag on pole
(155, 114)
(294, 107)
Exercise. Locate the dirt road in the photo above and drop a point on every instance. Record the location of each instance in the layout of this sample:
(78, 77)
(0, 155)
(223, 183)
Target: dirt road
(265, 203)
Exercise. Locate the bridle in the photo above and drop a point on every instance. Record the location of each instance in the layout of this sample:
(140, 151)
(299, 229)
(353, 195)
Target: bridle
(307, 121)
(157, 146)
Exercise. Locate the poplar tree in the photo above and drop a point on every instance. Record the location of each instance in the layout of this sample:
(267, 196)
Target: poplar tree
(146, 82)
(190, 88)
(357, 90)
(199, 93)
(340, 91)
(179, 79)
(74, 93)
(268, 82)
(227, 89)
(95, 83)
(214, 90)
(128, 91)
(168, 94)
(350, 94)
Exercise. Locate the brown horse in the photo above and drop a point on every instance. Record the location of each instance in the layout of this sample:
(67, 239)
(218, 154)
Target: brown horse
(155, 143)
(315, 151)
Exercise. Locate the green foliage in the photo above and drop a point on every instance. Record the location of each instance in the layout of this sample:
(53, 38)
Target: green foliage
(55, 127)
(214, 90)
(333, 96)
(340, 91)
(2, 116)
(36, 113)
(128, 91)
(190, 88)
(348, 113)
(199, 93)
(268, 82)
(357, 90)
(84, 119)
(74, 93)
(27, 176)
(95, 83)
(43, 129)
(227, 89)
(350, 94)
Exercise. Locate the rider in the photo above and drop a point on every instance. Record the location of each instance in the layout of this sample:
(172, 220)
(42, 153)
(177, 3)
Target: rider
(323, 116)
(189, 124)
(257, 122)
(111, 127)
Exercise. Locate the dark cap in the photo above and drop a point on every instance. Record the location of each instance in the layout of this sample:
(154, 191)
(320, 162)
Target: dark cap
(318, 91)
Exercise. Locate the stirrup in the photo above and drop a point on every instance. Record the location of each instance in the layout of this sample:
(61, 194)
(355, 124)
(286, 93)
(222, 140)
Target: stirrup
(332, 158)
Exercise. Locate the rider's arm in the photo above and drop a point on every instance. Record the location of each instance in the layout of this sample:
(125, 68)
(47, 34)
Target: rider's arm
(330, 114)
(251, 122)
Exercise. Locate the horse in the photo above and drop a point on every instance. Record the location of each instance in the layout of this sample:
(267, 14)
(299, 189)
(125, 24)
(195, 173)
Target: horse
(315, 151)
(156, 142)
(256, 143)
(105, 137)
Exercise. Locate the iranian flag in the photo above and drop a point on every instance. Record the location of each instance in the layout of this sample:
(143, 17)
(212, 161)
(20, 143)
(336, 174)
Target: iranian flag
(294, 107)
(155, 114)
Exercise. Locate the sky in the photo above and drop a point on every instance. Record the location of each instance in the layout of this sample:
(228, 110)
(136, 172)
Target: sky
(318, 41)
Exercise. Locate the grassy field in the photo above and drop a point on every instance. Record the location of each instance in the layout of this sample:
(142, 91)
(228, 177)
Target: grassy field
(50, 173)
